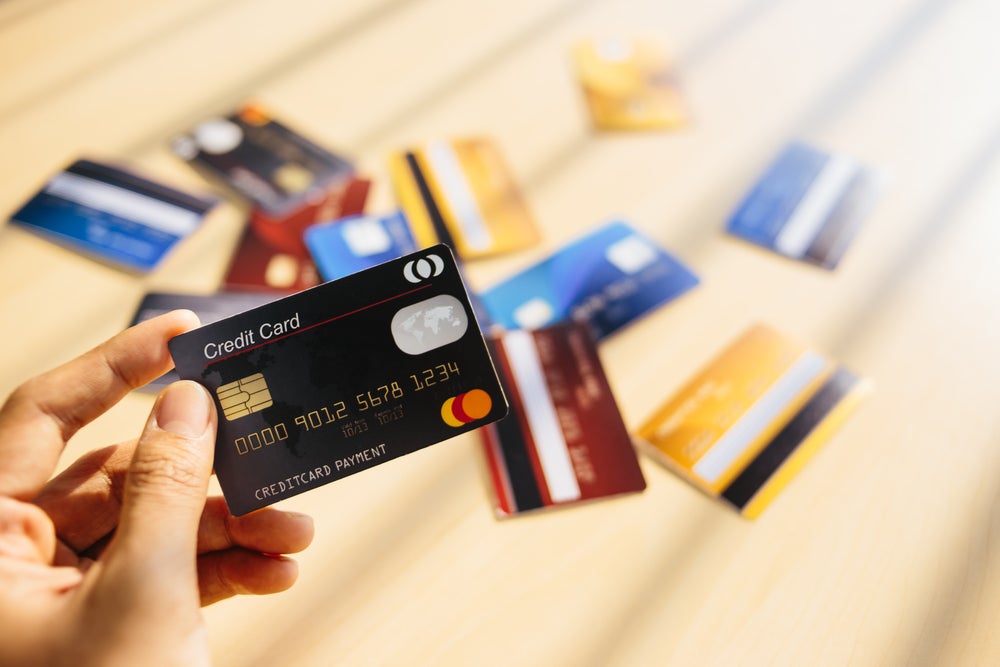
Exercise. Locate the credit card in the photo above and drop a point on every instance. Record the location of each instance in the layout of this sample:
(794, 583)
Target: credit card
(113, 215)
(809, 205)
(629, 84)
(261, 159)
(343, 198)
(463, 194)
(608, 278)
(259, 266)
(342, 377)
(348, 245)
(564, 441)
(209, 308)
(748, 422)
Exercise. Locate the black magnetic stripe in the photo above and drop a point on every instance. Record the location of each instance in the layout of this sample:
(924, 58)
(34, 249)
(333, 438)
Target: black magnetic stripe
(437, 220)
(775, 453)
(843, 223)
(513, 445)
(139, 185)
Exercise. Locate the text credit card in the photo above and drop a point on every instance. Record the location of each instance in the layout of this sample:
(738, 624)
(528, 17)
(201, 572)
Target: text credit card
(809, 205)
(342, 377)
(564, 440)
(748, 422)
(608, 278)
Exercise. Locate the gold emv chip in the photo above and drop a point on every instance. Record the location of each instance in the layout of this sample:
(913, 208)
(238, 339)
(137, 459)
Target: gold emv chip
(246, 395)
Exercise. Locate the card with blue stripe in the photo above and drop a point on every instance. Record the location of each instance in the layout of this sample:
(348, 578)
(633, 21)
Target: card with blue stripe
(608, 278)
(809, 205)
(358, 242)
(112, 214)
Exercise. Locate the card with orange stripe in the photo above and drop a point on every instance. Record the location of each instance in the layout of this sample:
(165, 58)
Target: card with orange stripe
(341, 377)
(564, 441)
(748, 422)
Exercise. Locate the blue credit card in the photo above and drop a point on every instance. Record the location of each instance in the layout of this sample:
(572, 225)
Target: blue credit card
(358, 242)
(112, 214)
(608, 278)
(809, 205)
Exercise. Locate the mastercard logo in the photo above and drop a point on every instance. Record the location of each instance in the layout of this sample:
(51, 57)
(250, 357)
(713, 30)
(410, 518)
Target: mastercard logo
(468, 407)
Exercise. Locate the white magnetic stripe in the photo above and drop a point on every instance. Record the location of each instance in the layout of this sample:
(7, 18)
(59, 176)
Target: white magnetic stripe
(550, 444)
(808, 217)
(461, 199)
(123, 203)
(746, 429)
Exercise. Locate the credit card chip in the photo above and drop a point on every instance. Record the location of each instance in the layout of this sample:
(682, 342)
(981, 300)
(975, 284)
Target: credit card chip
(246, 395)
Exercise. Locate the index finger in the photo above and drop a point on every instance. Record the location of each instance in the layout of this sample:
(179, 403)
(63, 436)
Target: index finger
(42, 414)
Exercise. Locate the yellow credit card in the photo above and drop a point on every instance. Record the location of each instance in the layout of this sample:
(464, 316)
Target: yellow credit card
(629, 84)
(745, 424)
(462, 193)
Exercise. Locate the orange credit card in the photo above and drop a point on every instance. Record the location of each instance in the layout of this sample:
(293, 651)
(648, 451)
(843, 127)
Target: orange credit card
(629, 84)
(462, 193)
(748, 422)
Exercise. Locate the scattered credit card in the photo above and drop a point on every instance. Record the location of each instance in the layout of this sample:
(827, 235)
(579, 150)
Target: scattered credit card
(749, 421)
(463, 194)
(284, 232)
(608, 278)
(112, 214)
(272, 254)
(564, 440)
(339, 378)
(809, 205)
(358, 242)
(257, 265)
(209, 308)
(629, 84)
(266, 162)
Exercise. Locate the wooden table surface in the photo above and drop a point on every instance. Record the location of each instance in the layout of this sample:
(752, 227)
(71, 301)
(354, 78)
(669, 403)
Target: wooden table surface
(882, 552)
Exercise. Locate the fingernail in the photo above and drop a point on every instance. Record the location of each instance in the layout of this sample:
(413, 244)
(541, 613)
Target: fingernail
(184, 409)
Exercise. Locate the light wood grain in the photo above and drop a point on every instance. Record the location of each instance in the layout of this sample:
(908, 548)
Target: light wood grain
(881, 552)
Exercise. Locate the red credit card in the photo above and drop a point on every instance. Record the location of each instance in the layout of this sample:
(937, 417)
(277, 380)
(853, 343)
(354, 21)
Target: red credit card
(564, 440)
(271, 254)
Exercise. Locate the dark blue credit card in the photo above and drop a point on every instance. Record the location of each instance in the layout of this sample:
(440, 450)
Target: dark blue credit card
(112, 214)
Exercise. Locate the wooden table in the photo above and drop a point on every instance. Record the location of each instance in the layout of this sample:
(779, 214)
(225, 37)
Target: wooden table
(882, 552)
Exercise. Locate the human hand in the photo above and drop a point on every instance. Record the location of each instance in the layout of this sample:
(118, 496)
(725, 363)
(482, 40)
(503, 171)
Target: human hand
(108, 562)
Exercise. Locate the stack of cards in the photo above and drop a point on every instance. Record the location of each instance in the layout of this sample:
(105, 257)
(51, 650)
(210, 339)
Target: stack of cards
(112, 214)
(808, 205)
(748, 422)
(462, 193)
(608, 279)
(564, 440)
(339, 378)
(629, 84)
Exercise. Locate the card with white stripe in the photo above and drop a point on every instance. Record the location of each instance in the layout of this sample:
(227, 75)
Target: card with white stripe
(113, 215)
(748, 422)
(463, 194)
(564, 441)
(809, 205)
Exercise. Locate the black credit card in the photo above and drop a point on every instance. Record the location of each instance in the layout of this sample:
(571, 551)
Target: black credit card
(341, 377)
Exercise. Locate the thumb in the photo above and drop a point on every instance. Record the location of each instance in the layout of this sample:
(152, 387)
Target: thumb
(167, 482)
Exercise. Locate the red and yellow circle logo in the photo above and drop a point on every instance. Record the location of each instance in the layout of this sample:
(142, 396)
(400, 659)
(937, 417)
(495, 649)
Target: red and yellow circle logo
(468, 407)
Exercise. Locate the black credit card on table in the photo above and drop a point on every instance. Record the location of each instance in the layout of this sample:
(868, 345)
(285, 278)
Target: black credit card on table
(341, 377)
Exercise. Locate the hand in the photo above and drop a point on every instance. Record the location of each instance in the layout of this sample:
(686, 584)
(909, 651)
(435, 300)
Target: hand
(109, 562)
